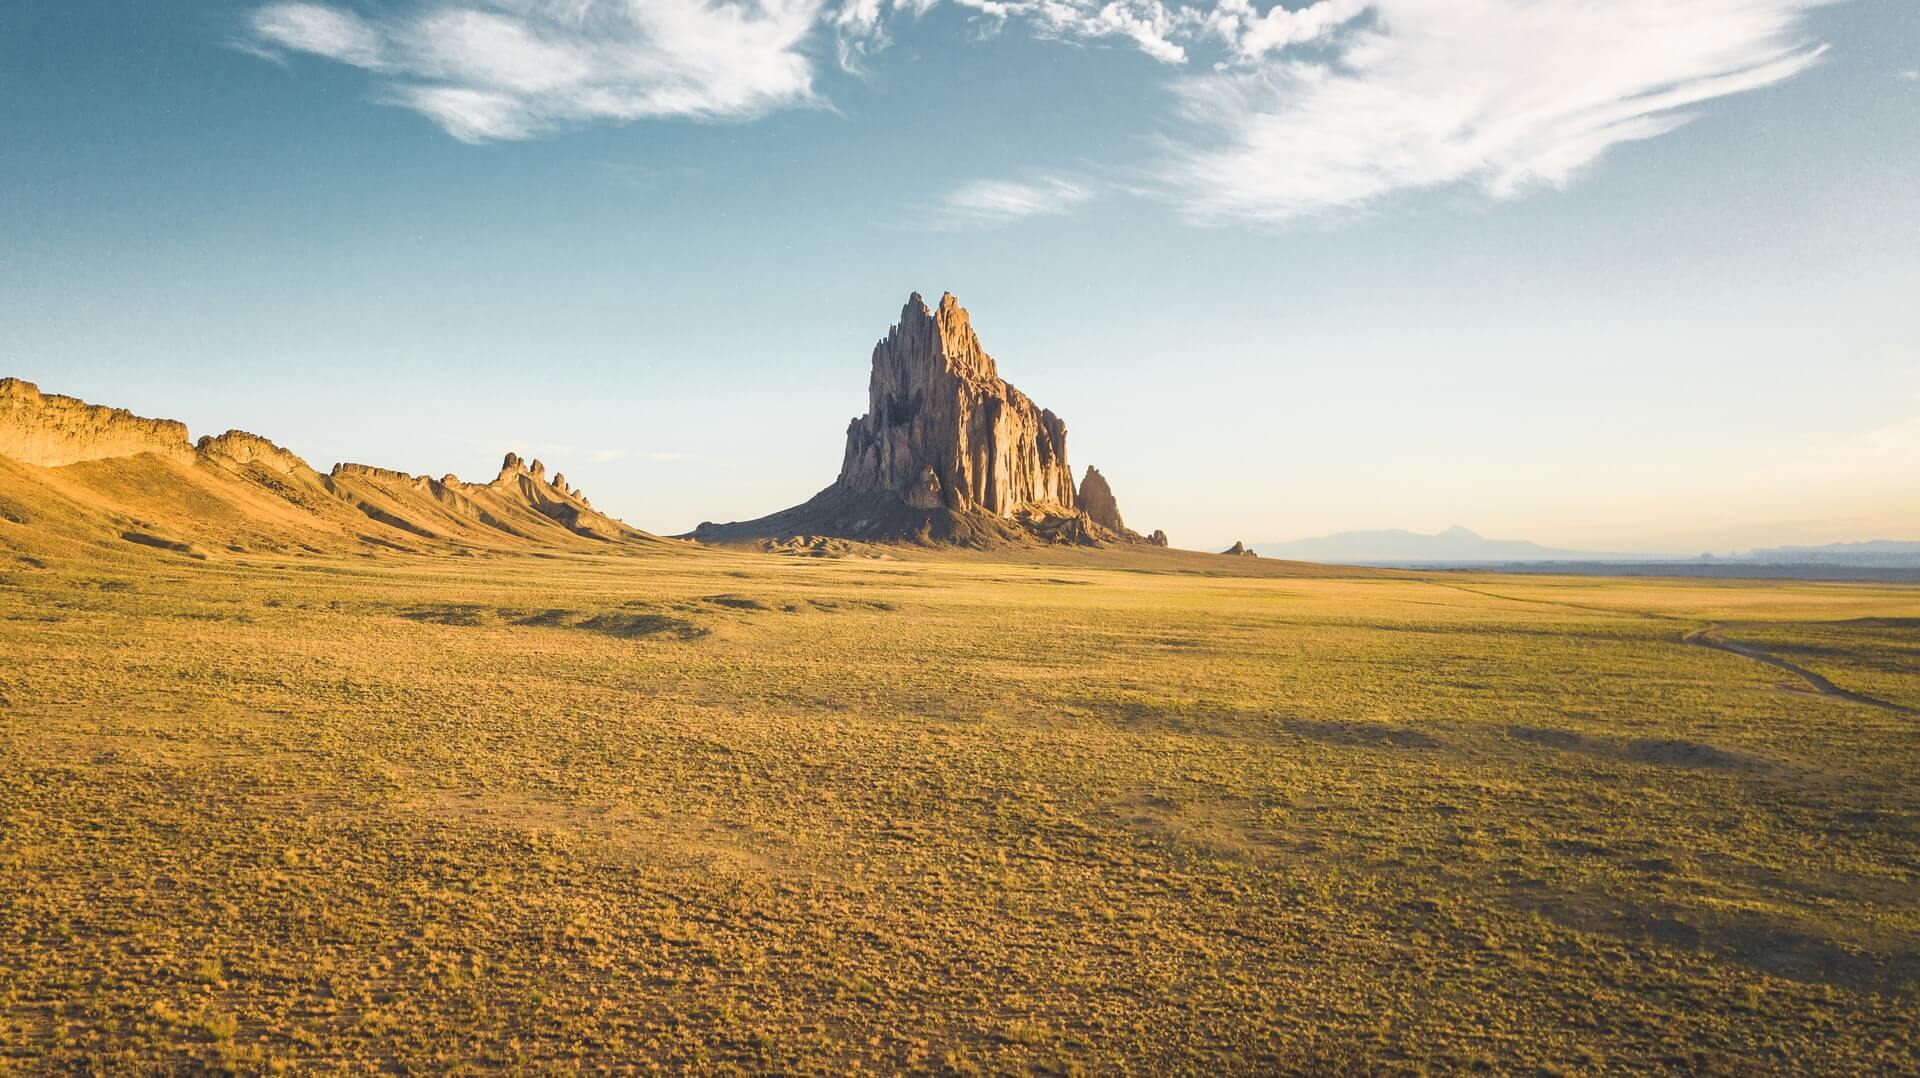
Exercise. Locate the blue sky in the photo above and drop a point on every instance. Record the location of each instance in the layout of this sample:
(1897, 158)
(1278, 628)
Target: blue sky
(1633, 275)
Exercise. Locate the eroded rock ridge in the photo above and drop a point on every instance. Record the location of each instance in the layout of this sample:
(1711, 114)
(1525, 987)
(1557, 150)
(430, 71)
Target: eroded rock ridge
(92, 474)
(50, 431)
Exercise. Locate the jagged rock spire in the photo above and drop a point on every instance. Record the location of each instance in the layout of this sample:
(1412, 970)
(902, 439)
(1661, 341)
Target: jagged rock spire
(1097, 501)
(942, 428)
(948, 452)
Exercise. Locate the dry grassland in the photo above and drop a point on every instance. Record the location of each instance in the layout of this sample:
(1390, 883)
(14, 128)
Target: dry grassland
(734, 812)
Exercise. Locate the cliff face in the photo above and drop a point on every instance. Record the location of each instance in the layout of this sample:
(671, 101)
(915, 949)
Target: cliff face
(944, 430)
(50, 431)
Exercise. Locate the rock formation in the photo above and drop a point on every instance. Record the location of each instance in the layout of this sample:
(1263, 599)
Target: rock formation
(1097, 501)
(50, 431)
(511, 503)
(948, 451)
(103, 476)
(944, 429)
(241, 448)
(1239, 550)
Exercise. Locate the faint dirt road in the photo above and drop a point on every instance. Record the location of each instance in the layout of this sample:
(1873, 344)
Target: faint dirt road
(1710, 637)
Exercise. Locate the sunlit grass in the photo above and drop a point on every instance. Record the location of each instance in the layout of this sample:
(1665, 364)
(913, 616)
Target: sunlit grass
(715, 811)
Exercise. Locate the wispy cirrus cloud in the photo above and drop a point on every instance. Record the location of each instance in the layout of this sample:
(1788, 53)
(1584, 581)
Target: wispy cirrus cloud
(1500, 94)
(1336, 104)
(1151, 25)
(509, 69)
(1296, 111)
(320, 30)
(996, 202)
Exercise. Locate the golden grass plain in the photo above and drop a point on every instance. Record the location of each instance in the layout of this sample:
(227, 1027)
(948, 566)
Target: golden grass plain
(1093, 813)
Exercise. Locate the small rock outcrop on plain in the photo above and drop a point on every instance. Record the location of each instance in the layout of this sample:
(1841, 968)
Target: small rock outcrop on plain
(1239, 550)
(948, 451)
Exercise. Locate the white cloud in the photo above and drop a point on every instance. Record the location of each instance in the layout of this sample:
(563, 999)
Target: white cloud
(859, 31)
(508, 69)
(1151, 25)
(1503, 94)
(323, 31)
(1329, 105)
(993, 202)
(1251, 35)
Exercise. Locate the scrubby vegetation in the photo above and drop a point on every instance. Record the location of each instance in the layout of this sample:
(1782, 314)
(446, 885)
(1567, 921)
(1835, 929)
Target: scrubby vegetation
(726, 811)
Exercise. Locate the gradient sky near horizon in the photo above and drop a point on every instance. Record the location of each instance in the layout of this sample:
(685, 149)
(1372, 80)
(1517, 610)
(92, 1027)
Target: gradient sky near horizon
(1633, 275)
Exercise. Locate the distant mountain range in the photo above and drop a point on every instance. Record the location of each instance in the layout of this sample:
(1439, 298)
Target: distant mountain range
(1400, 547)
(1461, 546)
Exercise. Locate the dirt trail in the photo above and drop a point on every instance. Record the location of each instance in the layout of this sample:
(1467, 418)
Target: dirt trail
(1710, 637)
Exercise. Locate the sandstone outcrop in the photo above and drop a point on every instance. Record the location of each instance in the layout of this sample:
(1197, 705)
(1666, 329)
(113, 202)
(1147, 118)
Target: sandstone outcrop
(105, 476)
(51, 431)
(1239, 550)
(1097, 501)
(948, 451)
(944, 429)
(515, 466)
(345, 469)
(520, 501)
(241, 448)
